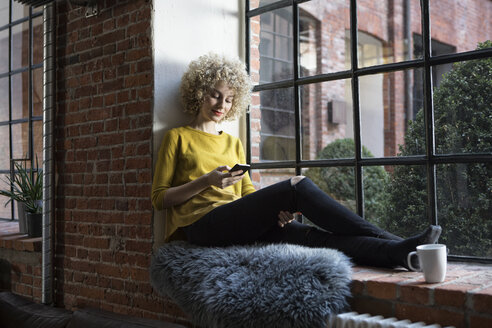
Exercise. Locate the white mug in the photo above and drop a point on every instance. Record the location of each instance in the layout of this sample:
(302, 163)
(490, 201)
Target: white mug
(432, 260)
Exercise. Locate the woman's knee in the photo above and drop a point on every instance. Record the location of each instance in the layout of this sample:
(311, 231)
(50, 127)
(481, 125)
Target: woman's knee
(295, 180)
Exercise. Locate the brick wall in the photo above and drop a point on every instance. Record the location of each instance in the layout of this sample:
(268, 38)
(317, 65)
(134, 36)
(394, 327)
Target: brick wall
(104, 161)
(20, 266)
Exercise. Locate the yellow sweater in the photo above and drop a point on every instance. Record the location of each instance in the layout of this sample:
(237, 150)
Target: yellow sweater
(187, 154)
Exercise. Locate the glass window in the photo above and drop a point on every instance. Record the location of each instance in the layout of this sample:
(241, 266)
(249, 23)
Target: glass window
(326, 113)
(4, 12)
(464, 204)
(322, 34)
(253, 4)
(395, 198)
(4, 55)
(386, 34)
(274, 44)
(276, 126)
(463, 108)
(37, 38)
(37, 92)
(408, 118)
(20, 96)
(20, 45)
(19, 10)
(4, 149)
(21, 88)
(268, 177)
(462, 27)
(4, 99)
(385, 107)
(5, 212)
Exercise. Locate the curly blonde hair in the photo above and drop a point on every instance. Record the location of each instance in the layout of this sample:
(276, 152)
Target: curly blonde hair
(205, 73)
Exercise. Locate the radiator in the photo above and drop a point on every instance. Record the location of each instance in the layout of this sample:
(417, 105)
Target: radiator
(356, 320)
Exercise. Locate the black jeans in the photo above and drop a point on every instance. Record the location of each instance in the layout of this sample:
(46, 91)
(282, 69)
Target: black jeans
(254, 218)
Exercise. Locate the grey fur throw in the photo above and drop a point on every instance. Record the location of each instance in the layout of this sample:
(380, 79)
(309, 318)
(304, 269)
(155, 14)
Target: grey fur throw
(253, 286)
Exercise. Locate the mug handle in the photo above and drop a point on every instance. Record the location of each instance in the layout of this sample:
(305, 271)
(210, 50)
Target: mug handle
(409, 262)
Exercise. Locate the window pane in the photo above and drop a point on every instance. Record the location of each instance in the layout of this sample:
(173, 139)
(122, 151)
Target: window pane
(4, 148)
(20, 99)
(37, 9)
(253, 4)
(337, 181)
(37, 92)
(20, 140)
(465, 207)
(20, 45)
(19, 10)
(384, 32)
(37, 40)
(266, 177)
(385, 106)
(4, 12)
(4, 54)
(461, 27)
(376, 181)
(326, 113)
(5, 211)
(4, 99)
(396, 198)
(273, 125)
(37, 130)
(328, 21)
(462, 107)
(271, 46)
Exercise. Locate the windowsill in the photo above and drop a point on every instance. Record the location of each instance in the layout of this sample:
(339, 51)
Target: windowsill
(10, 238)
(464, 299)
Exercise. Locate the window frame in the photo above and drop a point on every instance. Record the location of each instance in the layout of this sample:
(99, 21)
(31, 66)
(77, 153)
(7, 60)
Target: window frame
(30, 119)
(429, 160)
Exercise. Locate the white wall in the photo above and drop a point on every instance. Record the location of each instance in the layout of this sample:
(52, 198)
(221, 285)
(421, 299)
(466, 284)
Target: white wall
(183, 30)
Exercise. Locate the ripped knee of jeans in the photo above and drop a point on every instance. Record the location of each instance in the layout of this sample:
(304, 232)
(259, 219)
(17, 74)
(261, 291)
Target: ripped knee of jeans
(295, 180)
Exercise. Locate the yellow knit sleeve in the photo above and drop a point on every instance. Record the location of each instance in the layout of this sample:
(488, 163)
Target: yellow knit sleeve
(164, 168)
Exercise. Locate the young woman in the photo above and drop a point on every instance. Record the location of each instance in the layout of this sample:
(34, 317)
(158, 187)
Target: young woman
(211, 206)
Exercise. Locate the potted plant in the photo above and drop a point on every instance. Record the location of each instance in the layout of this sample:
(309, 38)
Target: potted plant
(27, 189)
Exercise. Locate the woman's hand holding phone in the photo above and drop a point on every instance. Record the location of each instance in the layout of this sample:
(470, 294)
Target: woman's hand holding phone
(222, 179)
(240, 167)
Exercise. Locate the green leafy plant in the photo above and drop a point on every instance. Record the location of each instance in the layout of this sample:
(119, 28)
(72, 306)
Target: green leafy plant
(26, 187)
(463, 120)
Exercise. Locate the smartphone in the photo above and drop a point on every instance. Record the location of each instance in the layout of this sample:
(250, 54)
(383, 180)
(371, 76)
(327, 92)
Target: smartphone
(244, 167)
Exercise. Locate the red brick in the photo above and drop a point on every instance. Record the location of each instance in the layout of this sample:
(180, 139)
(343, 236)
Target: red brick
(90, 292)
(381, 289)
(429, 315)
(99, 243)
(138, 246)
(482, 300)
(153, 305)
(108, 270)
(372, 306)
(480, 321)
(452, 295)
(416, 294)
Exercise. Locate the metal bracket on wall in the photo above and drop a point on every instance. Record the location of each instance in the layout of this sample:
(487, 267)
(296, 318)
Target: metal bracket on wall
(91, 6)
(91, 10)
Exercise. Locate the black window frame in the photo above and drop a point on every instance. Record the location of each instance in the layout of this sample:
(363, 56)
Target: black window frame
(30, 119)
(430, 159)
